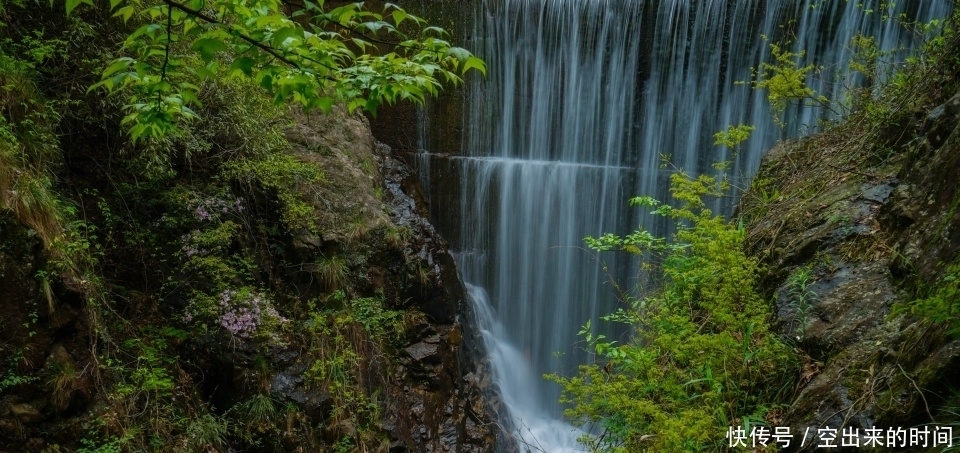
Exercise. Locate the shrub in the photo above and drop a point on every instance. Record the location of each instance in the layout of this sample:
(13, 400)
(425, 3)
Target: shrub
(702, 356)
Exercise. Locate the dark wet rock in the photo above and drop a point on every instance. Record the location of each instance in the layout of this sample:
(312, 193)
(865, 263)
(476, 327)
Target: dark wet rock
(447, 408)
(939, 123)
(845, 302)
(307, 241)
(441, 285)
(878, 193)
(424, 352)
(289, 385)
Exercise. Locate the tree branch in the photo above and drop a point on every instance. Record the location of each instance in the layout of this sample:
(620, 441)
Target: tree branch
(268, 49)
(166, 47)
(166, 56)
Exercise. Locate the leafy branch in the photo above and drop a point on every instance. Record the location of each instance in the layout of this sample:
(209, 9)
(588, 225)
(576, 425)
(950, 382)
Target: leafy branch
(297, 52)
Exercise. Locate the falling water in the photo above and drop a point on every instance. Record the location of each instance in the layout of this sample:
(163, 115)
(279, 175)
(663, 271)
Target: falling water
(582, 102)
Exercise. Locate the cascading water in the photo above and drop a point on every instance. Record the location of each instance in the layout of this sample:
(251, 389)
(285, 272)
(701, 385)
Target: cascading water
(582, 101)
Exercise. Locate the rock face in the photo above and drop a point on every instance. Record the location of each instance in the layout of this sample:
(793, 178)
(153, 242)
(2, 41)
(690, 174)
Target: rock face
(854, 225)
(447, 402)
(430, 385)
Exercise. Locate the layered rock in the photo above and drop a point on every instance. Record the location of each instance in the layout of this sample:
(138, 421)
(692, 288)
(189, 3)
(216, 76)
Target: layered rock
(854, 225)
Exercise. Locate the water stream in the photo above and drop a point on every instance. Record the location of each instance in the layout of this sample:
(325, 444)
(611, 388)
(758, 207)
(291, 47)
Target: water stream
(582, 102)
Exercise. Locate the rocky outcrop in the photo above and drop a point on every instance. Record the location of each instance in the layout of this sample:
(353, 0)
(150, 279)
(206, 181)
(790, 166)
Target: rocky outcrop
(445, 382)
(854, 225)
(436, 391)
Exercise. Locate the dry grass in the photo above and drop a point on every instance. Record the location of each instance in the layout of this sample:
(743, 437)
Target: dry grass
(332, 272)
(64, 380)
(28, 196)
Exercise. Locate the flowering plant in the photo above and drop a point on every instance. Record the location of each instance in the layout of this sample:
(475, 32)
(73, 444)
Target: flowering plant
(244, 313)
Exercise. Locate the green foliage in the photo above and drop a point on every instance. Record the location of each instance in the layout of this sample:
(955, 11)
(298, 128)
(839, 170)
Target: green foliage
(343, 445)
(302, 54)
(185, 235)
(211, 262)
(62, 381)
(39, 50)
(206, 432)
(12, 376)
(370, 313)
(800, 294)
(110, 445)
(942, 304)
(348, 344)
(785, 80)
(733, 136)
(29, 157)
(237, 119)
(281, 175)
(702, 357)
(28, 149)
(338, 365)
(866, 55)
(138, 410)
(909, 85)
(254, 417)
(146, 375)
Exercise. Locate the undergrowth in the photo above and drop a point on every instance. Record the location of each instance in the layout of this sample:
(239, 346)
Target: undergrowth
(702, 356)
(940, 304)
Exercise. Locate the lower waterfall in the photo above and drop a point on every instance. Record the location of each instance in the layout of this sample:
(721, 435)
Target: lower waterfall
(536, 429)
(587, 103)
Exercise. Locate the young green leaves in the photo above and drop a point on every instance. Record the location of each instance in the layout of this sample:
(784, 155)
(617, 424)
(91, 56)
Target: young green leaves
(351, 55)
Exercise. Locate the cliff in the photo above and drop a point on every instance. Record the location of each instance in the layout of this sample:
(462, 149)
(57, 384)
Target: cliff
(859, 232)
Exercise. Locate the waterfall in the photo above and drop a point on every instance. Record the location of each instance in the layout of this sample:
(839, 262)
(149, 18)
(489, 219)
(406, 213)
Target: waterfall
(582, 102)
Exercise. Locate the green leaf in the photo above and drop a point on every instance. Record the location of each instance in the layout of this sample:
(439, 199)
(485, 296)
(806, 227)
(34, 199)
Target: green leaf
(353, 104)
(459, 53)
(475, 63)
(361, 44)
(244, 65)
(398, 16)
(344, 13)
(434, 29)
(190, 97)
(377, 26)
(265, 80)
(280, 36)
(117, 65)
(124, 13)
(148, 30)
(73, 4)
(323, 103)
(205, 73)
(335, 60)
(208, 48)
(136, 131)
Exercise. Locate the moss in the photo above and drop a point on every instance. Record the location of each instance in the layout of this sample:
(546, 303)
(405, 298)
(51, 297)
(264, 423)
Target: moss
(939, 303)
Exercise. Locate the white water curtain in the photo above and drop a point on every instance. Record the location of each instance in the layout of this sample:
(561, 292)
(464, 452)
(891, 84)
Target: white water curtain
(582, 101)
